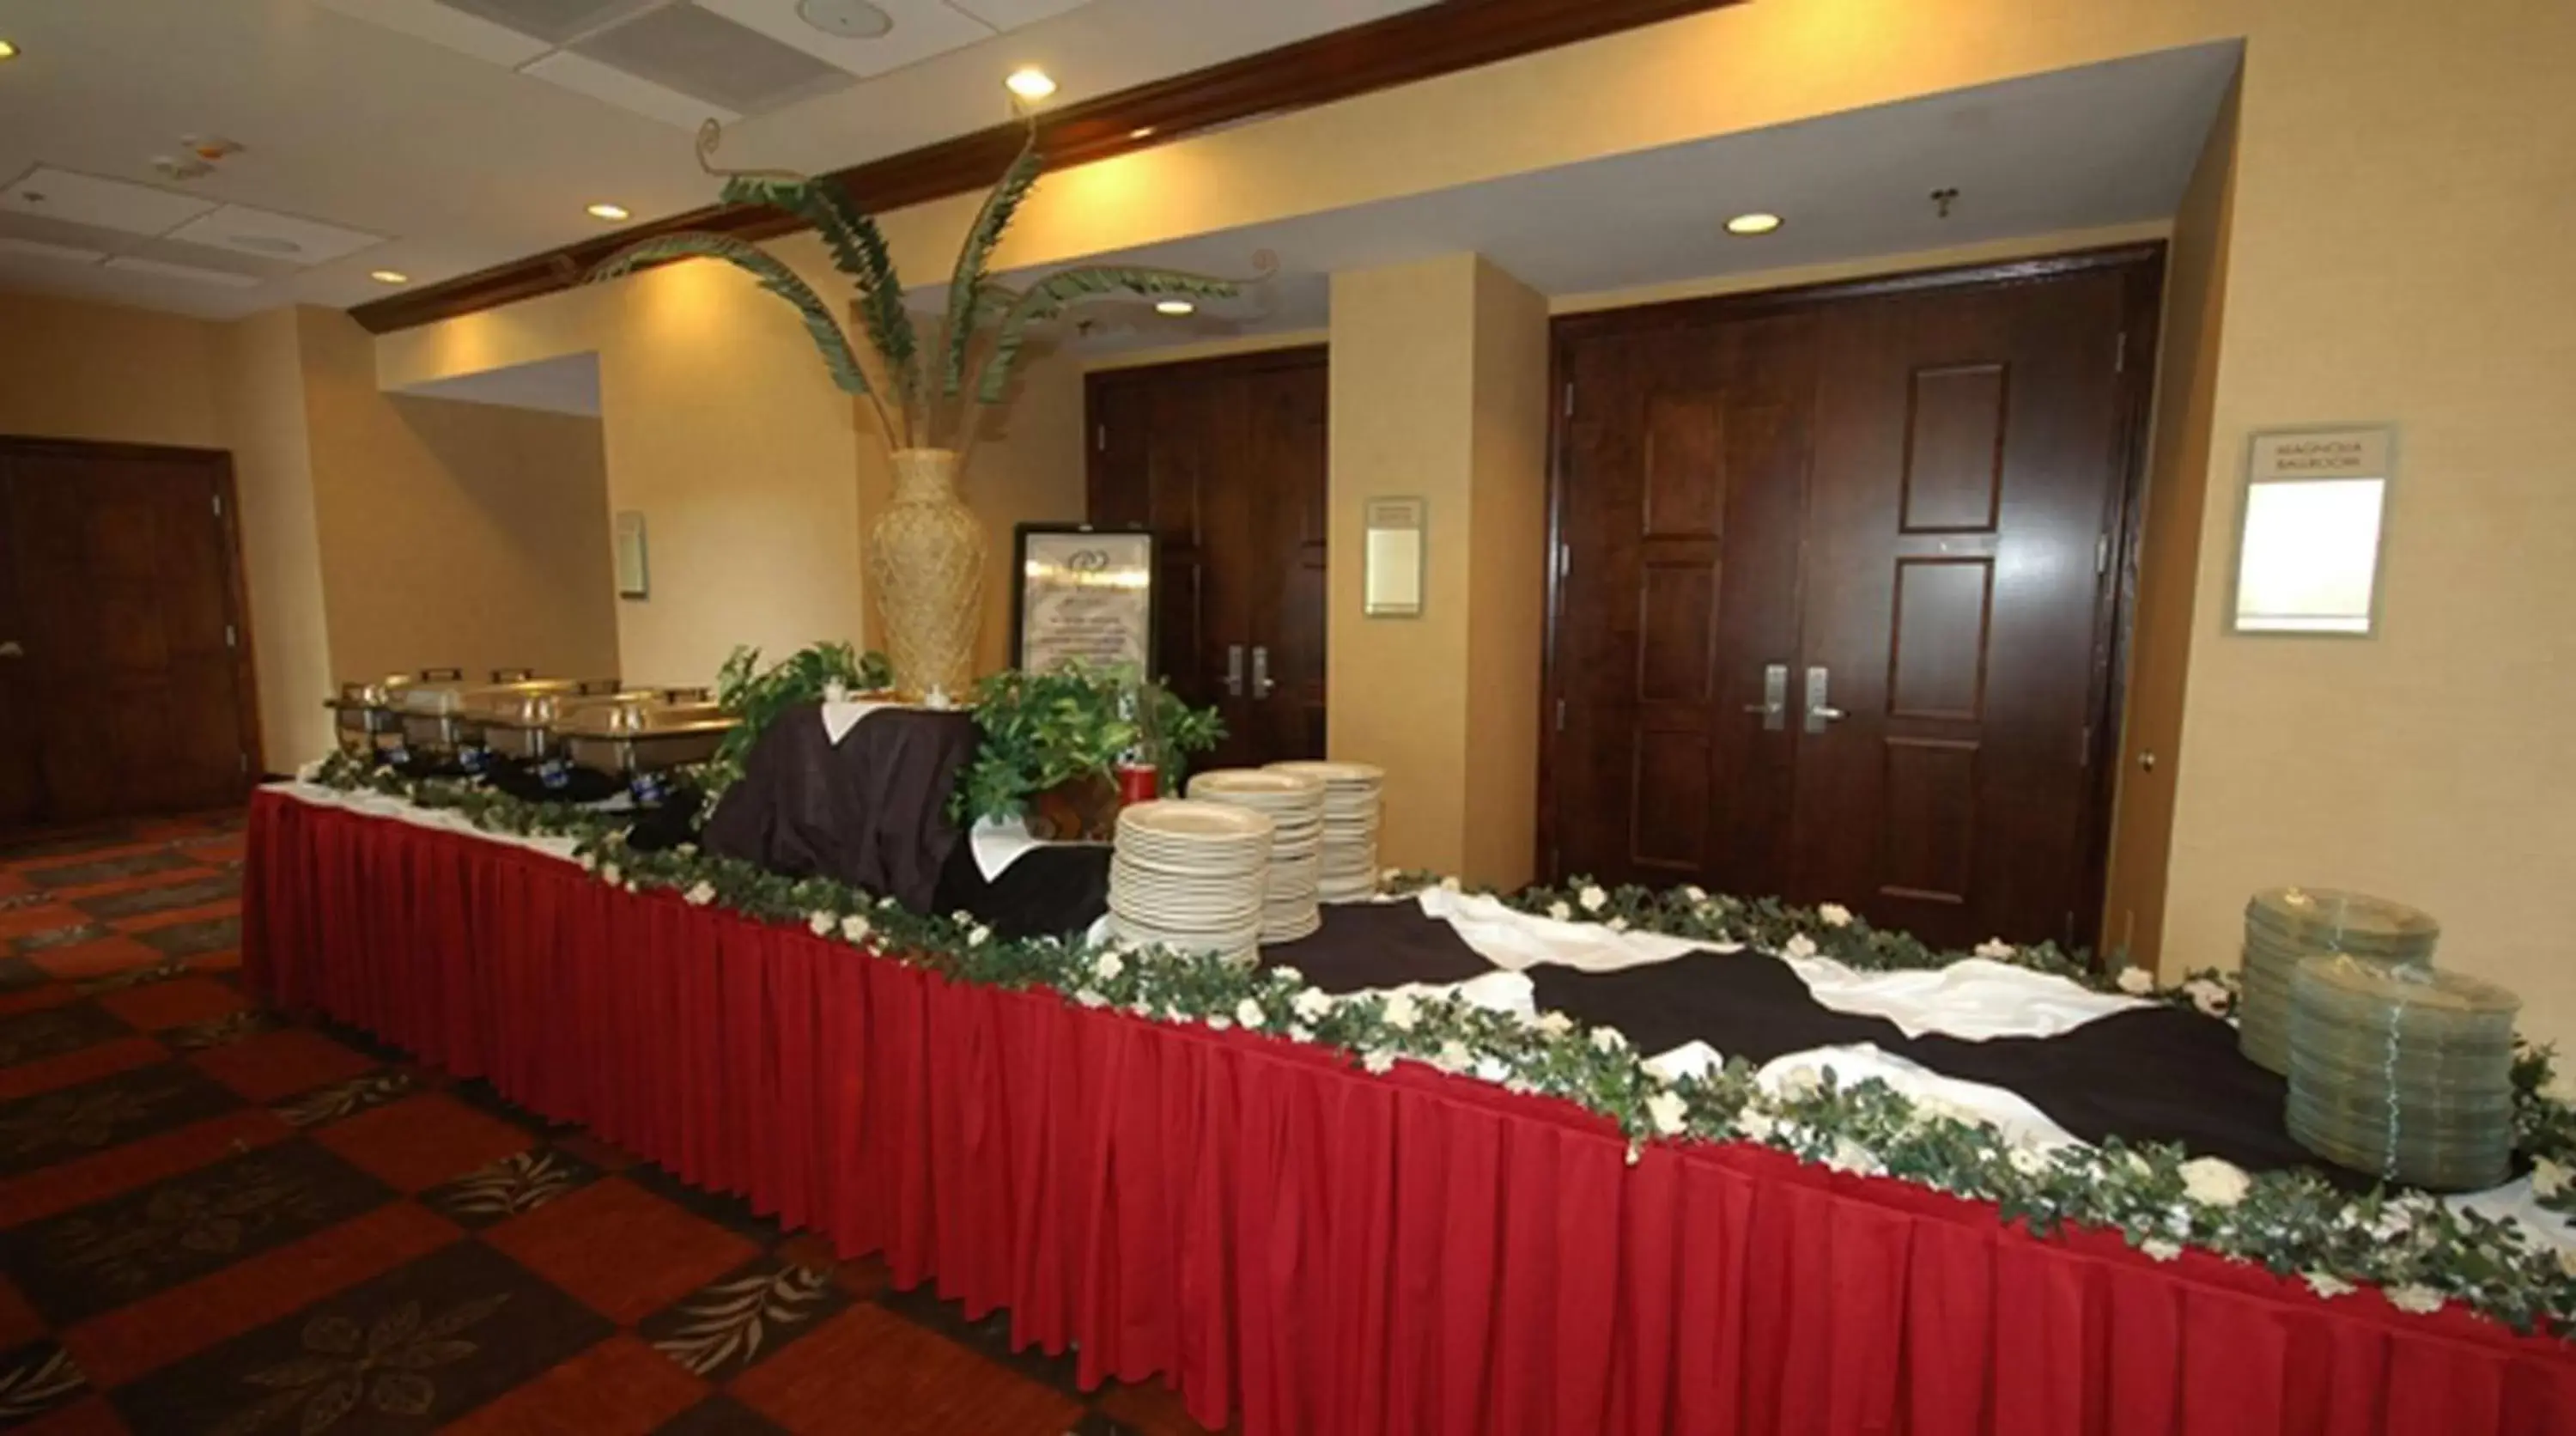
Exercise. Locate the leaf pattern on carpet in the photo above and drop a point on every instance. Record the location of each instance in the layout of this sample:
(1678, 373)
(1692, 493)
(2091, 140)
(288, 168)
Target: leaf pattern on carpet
(732, 1320)
(519, 1183)
(42, 1380)
(382, 1367)
(344, 1099)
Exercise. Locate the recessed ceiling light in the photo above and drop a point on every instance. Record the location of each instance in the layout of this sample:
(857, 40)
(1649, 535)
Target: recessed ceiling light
(8, 51)
(1030, 83)
(605, 210)
(848, 19)
(1175, 307)
(1754, 223)
(389, 276)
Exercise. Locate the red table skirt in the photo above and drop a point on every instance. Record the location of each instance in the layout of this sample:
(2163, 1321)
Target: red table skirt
(1287, 1238)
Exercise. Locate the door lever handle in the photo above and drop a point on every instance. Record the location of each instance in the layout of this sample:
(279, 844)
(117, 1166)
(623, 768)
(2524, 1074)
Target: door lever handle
(1774, 706)
(1820, 711)
(11, 648)
(1261, 684)
(1234, 670)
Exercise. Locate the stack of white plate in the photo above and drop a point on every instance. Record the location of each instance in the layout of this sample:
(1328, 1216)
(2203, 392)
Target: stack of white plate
(1294, 803)
(1351, 803)
(1191, 876)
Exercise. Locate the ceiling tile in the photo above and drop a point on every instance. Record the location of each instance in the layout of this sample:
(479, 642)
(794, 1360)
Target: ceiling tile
(705, 55)
(436, 23)
(192, 273)
(555, 22)
(601, 82)
(1012, 14)
(268, 235)
(40, 249)
(922, 28)
(107, 203)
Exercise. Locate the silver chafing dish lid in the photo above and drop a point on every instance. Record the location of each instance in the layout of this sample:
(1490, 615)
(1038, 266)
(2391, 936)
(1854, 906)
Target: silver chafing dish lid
(643, 719)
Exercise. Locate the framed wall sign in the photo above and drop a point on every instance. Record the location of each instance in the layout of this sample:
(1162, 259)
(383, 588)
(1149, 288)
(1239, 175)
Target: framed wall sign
(634, 578)
(1081, 593)
(1391, 573)
(2310, 532)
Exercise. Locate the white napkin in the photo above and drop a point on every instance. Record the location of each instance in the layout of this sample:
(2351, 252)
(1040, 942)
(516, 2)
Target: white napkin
(843, 714)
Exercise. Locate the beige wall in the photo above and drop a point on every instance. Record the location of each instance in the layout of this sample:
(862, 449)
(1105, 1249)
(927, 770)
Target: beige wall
(259, 382)
(1438, 392)
(2169, 558)
(73, 370)
(453, 534)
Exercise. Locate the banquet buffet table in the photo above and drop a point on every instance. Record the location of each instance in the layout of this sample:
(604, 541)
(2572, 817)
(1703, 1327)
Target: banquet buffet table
(1284, 1236)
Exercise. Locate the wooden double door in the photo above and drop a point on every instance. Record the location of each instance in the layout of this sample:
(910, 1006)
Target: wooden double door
(1836, 614)
(1224, 460)
(124, 673)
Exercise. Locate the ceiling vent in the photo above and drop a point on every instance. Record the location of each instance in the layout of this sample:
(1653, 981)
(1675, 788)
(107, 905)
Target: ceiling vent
(707, 57)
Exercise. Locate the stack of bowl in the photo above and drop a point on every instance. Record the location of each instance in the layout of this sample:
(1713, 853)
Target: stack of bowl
(1294, 803)
(2285, 926)
(2402, 1071)
(1351, 811)
(1191, 876)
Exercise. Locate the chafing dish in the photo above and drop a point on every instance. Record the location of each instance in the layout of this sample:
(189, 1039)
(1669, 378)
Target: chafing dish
(369, 714)
(449, 716)
(643, 737)
(516, 721)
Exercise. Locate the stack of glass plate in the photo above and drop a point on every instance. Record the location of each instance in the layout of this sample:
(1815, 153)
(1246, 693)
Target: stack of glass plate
(2285, 925)
(2403, 1071)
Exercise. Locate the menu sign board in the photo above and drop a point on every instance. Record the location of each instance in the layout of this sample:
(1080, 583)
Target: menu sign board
(1082, 593)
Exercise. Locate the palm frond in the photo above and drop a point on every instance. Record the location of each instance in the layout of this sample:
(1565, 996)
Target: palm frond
(774, 276)
(966, 286)
(858, 249)
(1052, 295)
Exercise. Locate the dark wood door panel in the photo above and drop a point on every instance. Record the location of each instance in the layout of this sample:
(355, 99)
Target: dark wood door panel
(1916, 487)
(1225, 461)
(129, 689)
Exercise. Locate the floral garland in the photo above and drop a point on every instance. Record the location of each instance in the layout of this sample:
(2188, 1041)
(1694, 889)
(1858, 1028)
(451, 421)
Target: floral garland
(2420, 1252)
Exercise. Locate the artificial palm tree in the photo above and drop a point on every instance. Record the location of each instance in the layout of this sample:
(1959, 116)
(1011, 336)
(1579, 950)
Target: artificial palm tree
(925, 379)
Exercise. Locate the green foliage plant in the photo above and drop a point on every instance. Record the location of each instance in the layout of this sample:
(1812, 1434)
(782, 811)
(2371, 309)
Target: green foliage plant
(1069, 723)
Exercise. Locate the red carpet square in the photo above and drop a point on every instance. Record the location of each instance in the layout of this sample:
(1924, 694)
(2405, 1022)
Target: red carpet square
(86, 1064)
(99, 958)
(156, 1005)
(907, 1381)
(89, 1416)
(66, 1185)
(589, 1244)
(266, 1066)
(19, 1323)
(423, 1141)
(620, 1387)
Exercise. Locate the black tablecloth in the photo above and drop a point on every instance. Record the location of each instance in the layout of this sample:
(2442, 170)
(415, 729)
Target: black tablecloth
(870, 810)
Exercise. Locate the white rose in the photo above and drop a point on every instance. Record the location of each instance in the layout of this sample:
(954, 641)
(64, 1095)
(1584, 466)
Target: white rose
(2208, 996)
(2029, 1161)
(1449, 885)
(1834, 914)
(2215, 1181)
(1107, 966)
(1554, 1023)
(2419, 1299)
(1799, 945)
(2548, 1178)
(700, 895)
(1089, 998)
(1402, 1012)
(1668, 1111)
(2567, 1262)
(854, 928)
(1314, 1004)
(1800, 1082)
(979, 936)
(1754, 1125)
(1559, 911)
(589, 862)
(821, 923)
(1608, 1039)
(2137, 981)
(1695, 893)
(1215, 1024)
(2326, 1285)
(1391, 874)
(1851, 1156)
(1284, 973)
(2160, 1249)
(1995, 948)
(1379, 1062)
(1454, 1057)
(608, 873)
(1593, 899)
(1618, 924)
(1249, 1013)
(1635, 1154)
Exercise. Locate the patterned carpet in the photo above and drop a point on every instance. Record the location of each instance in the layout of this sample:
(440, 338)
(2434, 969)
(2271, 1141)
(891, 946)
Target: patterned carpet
(215, 1220)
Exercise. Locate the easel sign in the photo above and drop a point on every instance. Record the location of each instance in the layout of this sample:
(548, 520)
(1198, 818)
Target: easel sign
(1081, 593)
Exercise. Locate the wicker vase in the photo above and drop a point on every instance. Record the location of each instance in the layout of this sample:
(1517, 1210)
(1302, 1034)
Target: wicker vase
(926, 557)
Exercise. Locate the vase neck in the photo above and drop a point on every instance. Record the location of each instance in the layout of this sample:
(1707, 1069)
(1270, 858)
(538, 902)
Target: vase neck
(924, 474)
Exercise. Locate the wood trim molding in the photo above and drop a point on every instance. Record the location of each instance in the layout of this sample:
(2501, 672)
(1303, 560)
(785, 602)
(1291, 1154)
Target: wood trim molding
(1436, 40)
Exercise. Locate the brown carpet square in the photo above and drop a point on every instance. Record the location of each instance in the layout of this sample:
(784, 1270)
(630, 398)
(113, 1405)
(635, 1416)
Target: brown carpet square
(587, 1243)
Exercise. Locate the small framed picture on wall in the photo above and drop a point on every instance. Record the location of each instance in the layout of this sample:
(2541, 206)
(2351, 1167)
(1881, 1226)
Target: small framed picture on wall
(1081, 593)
